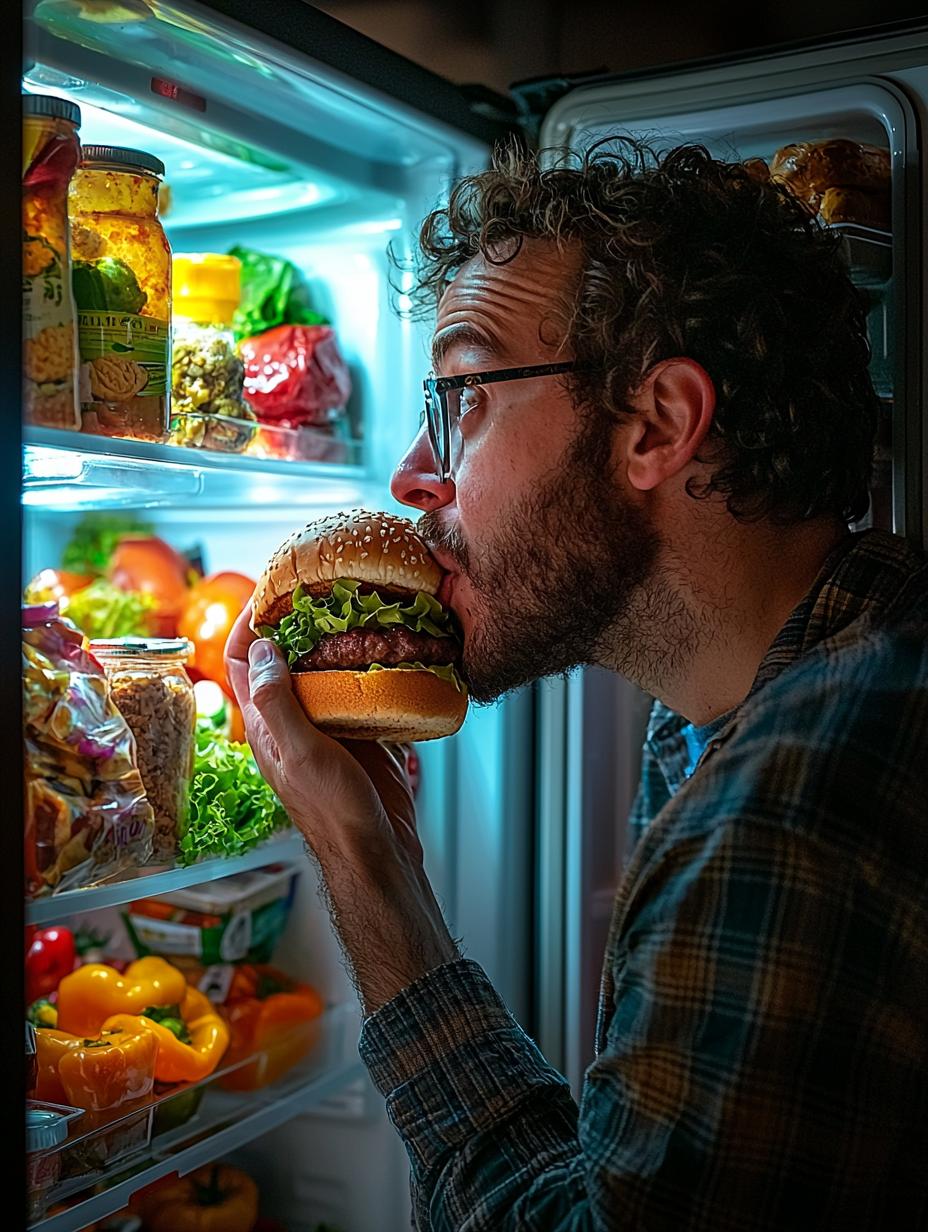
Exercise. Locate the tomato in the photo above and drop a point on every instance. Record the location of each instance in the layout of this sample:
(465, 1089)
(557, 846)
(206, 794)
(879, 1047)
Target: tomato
(50, 957)
(212, 607)
(151, 566)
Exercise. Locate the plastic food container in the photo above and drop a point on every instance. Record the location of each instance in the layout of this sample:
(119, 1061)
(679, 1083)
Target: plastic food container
(299, 444)
(154, 694)
(222, 433)
(207, 373)
(51, 151)
(46, 1129)
(122, 290)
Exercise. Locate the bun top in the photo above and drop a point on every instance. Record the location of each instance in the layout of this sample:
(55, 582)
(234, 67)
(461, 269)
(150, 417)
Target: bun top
(376, 548)
(811, 167)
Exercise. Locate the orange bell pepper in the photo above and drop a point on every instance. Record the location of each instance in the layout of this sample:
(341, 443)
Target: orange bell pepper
(50, 1047)
(112, 1071)
(94, 992)
(273, 1019)
(179, 1061)
(214, 1198)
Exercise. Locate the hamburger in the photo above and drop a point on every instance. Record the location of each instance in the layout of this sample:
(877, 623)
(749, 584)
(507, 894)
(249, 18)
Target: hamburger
(350, 600)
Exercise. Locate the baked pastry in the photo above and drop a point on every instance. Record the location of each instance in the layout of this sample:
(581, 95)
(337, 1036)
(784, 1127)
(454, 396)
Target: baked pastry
(842, 180)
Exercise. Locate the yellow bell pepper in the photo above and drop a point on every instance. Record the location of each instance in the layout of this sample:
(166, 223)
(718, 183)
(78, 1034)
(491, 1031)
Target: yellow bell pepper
(95, 992)
(179, 1061)
(114, 1070)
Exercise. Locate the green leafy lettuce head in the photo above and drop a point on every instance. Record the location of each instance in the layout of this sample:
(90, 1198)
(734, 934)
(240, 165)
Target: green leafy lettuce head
(362, 571)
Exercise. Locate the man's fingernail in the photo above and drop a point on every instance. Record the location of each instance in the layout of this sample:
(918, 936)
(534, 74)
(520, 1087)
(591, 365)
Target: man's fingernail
(260, 652)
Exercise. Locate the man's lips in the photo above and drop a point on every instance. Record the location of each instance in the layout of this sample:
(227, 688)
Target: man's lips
(450, 575)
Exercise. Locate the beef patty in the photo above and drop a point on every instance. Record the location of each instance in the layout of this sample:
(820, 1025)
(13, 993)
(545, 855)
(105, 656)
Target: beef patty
(359, 648)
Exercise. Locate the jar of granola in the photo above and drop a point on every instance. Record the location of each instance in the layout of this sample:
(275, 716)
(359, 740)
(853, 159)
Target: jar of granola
(122, 290)
(51, 151)
(154, 694)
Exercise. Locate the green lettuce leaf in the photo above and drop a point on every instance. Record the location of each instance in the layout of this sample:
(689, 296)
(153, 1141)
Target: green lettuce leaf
(273, 293)
(103, 610)
(232, 808)
(344, 608)
(443, 672)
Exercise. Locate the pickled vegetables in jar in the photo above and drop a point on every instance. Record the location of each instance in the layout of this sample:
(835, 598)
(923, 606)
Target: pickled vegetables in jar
(51, 151)
(122, 291)
(208, 408)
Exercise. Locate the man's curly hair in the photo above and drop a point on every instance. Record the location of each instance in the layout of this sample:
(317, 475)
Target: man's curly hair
(684, 255)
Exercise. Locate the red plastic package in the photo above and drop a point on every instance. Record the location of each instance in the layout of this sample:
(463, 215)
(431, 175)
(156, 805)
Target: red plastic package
(295, 375)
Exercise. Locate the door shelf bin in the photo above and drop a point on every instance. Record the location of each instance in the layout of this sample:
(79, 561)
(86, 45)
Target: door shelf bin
(102, 1167)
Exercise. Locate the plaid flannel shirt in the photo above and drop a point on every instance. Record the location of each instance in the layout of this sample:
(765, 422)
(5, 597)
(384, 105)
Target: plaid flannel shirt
(762, 1052)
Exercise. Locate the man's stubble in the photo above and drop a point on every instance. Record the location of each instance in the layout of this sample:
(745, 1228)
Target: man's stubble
(571, 577)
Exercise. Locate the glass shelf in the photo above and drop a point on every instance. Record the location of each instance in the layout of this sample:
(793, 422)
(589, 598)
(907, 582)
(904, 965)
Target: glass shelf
(67, 471)
(161, 879)
(224, 1120)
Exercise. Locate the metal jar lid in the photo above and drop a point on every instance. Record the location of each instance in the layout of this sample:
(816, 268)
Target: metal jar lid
(44, 1129)
(140, 647)
(121, 158)
(48, 105)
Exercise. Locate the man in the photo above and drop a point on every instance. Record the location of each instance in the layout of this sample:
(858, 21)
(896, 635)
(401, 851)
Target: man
(674, 507)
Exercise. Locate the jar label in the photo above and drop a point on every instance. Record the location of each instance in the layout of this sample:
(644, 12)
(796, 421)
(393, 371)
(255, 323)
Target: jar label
(123, 356)
(49, 351)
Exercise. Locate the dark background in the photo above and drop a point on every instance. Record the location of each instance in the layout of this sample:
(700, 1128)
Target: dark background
(495, 42)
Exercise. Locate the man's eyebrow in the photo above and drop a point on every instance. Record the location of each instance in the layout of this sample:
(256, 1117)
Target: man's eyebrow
(460, 335)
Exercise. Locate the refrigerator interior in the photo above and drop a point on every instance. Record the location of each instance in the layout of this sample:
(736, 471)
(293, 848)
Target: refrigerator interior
(268, 150)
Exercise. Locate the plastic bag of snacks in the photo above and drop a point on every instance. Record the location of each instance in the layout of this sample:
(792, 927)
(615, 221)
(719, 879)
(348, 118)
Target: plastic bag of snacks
(87, 815)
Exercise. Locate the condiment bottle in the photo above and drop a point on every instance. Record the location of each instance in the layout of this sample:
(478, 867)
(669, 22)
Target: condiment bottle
(208, 409)
(51, 151)
(154, 694)
(122, 291)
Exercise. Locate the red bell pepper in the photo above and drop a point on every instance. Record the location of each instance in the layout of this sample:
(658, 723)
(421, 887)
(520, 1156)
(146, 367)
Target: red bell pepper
(49, 958)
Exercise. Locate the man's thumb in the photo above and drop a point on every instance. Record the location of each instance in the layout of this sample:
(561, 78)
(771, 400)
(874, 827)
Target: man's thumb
(270, 690)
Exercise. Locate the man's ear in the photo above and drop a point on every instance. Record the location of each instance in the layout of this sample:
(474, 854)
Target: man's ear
(674, 404)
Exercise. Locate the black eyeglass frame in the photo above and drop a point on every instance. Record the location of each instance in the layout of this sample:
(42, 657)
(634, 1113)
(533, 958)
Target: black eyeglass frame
(437, 414)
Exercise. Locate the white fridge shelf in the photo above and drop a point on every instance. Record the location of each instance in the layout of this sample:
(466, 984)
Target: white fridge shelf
(66, 471)
(224, 1121)
(160, 879)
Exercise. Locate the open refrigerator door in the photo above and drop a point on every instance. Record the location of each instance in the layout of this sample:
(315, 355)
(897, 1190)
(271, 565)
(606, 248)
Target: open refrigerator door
(853, 93)
(261, 155)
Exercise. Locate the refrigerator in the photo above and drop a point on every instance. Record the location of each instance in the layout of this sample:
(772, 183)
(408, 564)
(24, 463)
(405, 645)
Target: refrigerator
(284, 131)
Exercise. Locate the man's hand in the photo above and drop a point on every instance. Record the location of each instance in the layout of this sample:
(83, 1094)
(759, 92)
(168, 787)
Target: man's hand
(352, 803)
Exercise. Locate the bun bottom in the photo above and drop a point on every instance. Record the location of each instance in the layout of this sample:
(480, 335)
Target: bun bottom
(393, 705)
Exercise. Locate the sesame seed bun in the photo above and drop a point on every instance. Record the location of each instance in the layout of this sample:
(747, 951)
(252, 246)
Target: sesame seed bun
(376, 548)
(394, 705)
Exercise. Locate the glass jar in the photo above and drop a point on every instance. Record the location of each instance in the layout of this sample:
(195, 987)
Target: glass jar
(154, 694)
(208, 408)
(122, 290)
(51, 151)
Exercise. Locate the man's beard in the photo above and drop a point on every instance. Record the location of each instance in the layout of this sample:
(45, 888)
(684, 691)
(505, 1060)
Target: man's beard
(558, 584)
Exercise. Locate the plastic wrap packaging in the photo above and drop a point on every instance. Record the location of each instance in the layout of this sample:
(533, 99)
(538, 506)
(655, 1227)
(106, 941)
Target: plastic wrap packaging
(295, 375)
(87, 815)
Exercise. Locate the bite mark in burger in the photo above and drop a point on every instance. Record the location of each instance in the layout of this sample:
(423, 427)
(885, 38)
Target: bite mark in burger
(350, 600)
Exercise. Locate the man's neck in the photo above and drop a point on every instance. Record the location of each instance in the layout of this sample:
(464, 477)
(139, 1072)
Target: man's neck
(700, 630)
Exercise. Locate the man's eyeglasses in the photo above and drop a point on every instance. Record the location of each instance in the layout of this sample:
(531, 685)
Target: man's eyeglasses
(446, 404)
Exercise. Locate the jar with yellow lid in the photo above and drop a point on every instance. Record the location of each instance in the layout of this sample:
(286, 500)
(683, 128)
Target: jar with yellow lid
(122, 290)
(51, 151)
(208, 409)
(152, 691)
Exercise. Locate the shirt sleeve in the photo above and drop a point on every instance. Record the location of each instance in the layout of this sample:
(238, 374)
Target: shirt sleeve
(743, 1084)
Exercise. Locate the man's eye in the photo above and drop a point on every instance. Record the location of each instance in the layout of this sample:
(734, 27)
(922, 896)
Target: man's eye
(470, 399)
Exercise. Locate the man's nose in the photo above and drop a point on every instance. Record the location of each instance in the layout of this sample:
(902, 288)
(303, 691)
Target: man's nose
(416, 480)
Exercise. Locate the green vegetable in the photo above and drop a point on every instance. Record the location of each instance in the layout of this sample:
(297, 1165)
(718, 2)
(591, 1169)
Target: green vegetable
(94, 541)
(231, 807)
(273, 293)
(42, 1013)
(448, 672)
(103, 610)
(169, 1016)
(106, 285)
(346, 608)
